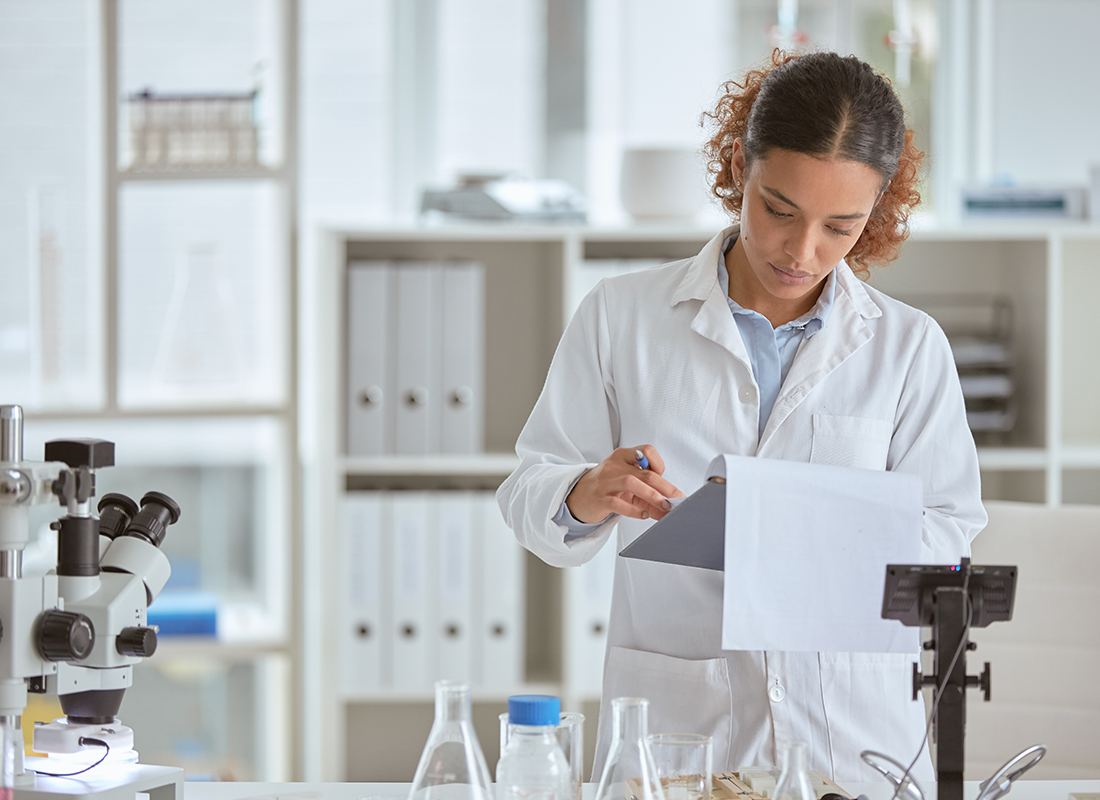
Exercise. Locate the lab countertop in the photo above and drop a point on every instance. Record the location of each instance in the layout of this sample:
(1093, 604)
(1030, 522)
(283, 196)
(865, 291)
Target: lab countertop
(1022, 790)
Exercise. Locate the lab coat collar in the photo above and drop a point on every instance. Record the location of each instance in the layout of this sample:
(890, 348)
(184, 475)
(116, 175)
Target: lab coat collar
(701, 279)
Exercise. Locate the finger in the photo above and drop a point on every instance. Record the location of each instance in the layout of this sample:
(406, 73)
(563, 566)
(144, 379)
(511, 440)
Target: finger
(648, 511)
(625, 508)
(638, 484)
(657, 467)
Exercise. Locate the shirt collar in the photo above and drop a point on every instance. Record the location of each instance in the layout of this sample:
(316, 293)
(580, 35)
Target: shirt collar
(812, 321)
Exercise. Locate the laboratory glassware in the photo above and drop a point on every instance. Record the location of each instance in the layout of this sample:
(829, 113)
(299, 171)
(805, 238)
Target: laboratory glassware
(794, 779)
(452, 766)
(629, 773)
(683, 764)
(532, 766)
(570, 733)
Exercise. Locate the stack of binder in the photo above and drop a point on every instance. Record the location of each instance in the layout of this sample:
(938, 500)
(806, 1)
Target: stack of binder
(415, 358)
(588, 612)
(431, 587)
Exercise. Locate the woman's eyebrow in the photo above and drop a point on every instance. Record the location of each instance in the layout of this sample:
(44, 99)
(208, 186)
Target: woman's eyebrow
(779, 196)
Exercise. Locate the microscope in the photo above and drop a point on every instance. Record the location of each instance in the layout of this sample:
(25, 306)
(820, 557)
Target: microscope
(77, 631)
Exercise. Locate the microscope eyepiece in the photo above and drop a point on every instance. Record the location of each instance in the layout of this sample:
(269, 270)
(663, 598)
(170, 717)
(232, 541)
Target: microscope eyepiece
(115, 512)
(158, 511)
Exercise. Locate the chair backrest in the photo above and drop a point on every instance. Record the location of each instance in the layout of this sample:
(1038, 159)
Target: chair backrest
(1046, 659)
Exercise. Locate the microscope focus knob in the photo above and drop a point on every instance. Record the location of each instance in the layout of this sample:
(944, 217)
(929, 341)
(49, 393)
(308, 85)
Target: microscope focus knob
(65, 636)
(139, 642)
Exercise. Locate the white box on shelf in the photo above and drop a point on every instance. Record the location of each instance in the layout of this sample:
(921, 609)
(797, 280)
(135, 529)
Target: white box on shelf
(361, 642)
(417, 340)
(456, 557)
(502, 600)
(370, 389)
(412, 623)
(463, 358)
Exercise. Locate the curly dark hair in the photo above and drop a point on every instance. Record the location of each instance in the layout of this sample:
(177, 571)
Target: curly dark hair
(828, 106)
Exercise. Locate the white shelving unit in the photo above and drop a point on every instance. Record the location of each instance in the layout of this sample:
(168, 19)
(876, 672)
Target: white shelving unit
(1051, 456)
(218, 705)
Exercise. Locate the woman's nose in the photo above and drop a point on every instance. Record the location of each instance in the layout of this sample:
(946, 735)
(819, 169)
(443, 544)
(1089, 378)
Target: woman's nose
(800, 244)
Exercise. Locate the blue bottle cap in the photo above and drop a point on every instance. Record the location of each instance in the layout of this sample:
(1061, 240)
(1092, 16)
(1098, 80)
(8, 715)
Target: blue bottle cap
(534, 709)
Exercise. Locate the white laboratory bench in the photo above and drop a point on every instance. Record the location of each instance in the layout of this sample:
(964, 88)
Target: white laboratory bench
(1022, 790)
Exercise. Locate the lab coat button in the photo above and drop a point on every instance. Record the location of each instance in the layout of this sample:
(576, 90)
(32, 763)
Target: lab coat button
(777, 693)
(746, 394)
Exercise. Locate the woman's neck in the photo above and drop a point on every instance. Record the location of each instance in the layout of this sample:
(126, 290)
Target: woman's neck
(746, 290)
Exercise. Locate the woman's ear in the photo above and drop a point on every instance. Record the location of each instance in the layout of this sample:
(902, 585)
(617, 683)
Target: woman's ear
(737, 164)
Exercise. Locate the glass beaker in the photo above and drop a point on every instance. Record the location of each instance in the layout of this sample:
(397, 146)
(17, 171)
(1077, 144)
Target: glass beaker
(794, 778)
(683, 764)
(452, 766)
(629, 773)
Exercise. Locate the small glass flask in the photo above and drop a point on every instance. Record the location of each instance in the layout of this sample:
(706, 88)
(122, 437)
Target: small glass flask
(794, 777)
(452, 766)
(630, 772)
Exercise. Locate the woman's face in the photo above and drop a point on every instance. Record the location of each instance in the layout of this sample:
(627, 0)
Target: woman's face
(800, 216)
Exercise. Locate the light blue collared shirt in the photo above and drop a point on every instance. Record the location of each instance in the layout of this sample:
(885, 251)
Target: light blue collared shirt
(771, 354)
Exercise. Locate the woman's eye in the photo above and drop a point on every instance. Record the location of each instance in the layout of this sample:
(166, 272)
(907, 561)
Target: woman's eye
(841, 231)
(773, 212)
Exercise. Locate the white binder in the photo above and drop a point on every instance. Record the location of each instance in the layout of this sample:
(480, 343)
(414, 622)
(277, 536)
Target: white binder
(463, 348)
(456, 556)
(370, 408)
(362, 630)
(413, 661)
(419, 378)
(502, 592)
(587, 614)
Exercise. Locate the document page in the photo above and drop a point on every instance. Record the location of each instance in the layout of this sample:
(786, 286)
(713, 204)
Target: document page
(806, 552)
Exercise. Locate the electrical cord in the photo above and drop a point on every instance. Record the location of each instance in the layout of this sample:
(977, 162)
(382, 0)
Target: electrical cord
(82, 741)
(943, 684)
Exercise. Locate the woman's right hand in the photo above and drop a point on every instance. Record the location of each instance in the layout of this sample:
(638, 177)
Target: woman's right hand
(617, 485)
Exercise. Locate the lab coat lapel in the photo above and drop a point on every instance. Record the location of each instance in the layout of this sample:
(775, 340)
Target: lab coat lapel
(713, 320)
(821, 354)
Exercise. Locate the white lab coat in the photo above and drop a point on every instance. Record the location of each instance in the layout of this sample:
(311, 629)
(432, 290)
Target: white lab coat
(655, 357)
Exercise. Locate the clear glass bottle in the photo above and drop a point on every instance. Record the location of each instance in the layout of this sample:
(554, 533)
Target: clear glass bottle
(630, 772)
(533, 766)
(452, 766)
(794, 777)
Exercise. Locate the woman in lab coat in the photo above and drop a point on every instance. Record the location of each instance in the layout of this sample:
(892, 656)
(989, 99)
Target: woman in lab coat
(767, 344)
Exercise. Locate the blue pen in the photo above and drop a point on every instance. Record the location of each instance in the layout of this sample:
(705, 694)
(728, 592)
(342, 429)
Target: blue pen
(641, 460)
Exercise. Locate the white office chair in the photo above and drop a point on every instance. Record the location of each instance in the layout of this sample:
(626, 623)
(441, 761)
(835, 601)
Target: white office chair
(1046, 660)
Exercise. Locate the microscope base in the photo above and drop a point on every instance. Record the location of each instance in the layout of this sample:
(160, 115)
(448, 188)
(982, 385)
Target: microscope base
(105, 782)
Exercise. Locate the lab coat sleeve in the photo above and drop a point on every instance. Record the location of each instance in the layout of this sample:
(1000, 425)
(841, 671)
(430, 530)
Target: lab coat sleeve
(932, 439)
(574, 426)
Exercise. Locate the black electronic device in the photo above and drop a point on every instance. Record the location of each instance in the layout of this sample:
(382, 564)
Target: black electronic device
(951, 599)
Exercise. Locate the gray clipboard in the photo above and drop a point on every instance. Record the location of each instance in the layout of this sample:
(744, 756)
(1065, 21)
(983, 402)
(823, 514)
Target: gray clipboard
(693, 534)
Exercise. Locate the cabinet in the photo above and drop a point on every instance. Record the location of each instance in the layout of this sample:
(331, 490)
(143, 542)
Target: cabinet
(1046, 274)
(160, 316)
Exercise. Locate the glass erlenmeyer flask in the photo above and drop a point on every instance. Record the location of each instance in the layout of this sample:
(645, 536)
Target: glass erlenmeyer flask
(452, 766)
(629, 773)
(201, 350)
(794, 778)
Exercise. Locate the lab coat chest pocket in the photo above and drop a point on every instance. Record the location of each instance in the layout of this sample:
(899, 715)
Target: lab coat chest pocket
(850, 441)
(686, 696)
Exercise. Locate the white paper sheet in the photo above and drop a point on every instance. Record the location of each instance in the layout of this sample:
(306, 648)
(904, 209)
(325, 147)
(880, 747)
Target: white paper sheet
(806, 553)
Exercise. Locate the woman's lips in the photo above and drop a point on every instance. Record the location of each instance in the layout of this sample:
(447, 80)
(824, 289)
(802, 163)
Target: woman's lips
(792, 277)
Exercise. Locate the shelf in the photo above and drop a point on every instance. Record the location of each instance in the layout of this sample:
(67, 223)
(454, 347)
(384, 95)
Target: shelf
(427, 696)
(1081, 456)
(486, 465)
(210, 648)
(1012, 458)
(180, 175)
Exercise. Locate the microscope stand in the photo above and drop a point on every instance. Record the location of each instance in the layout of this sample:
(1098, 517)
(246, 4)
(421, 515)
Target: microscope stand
(105, 782)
